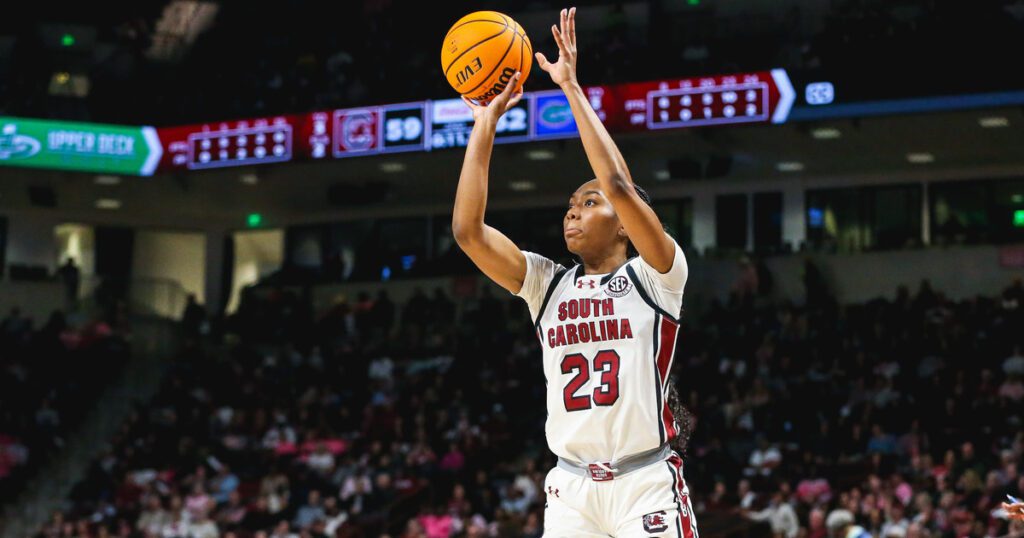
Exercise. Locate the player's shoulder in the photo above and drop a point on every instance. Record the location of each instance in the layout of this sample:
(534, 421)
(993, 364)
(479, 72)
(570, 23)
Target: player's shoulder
(541, 261)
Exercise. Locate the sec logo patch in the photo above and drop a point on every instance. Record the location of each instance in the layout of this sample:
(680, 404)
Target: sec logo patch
(618, 286)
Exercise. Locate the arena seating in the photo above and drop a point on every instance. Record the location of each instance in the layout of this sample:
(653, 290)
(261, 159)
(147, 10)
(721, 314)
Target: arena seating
(374, 419)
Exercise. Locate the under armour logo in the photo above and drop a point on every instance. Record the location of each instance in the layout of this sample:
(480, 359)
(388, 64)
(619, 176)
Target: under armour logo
(589, 282)
(552, 491)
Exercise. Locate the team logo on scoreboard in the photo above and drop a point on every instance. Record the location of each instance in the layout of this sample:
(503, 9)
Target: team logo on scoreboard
(618, 286)
(554, 116)
(16, 146)
(655, 522)
(356, 131)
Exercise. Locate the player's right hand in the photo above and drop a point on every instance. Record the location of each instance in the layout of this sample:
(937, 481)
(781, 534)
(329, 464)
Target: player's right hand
(501, 104)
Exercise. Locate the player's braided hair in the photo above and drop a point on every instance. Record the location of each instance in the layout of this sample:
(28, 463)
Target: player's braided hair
(682, 415)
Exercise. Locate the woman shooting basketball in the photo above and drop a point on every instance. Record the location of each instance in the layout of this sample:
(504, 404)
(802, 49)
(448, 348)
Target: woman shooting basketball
(607, 327)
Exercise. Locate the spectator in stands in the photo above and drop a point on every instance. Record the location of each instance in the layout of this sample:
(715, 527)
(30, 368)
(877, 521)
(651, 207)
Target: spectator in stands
(224, 484)
(780, 514)
(764, 459)
(310, 512)
(70, 276)
(198, 503)
(193, 317)
(840, 524)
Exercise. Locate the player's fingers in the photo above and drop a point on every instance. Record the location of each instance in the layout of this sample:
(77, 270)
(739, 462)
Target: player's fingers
(564, 29)
(515, 99)
(469, 103)
(510, 87)
(558, 39)
(572, 28)
(542, 61)
(502, 98)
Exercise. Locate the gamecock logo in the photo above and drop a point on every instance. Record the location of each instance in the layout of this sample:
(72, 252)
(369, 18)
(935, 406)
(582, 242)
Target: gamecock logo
(655, 522)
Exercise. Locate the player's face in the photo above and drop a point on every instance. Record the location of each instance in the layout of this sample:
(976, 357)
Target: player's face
(590, 224)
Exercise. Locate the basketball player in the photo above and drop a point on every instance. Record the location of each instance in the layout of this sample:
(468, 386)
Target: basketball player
(607, 327)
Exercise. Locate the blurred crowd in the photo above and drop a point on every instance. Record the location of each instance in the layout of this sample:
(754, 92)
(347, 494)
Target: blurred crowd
(264, 62)
(49, 376)
(896, 417)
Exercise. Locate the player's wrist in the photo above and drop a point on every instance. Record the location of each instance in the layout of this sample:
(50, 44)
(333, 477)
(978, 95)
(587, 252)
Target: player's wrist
(487, 118)
(570, 85)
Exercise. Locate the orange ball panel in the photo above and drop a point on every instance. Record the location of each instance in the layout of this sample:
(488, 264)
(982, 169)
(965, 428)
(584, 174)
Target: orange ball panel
(481, 53)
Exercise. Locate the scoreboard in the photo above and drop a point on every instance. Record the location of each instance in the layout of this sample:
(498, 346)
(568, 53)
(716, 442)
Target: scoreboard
(447, 123)
(653, 106)
(246, 142)
(451, 122)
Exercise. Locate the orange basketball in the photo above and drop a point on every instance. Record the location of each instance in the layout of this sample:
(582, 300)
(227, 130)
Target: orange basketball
(482, 52)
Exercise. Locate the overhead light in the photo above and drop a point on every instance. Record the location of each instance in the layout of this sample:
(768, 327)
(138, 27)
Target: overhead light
(991, 122)
(522, 185)
(662, 175)
(789, 166)
(826, 133)
(540, 155)
(108, 203)
(108, 180)
(392, 167)
(250, 179)
(65, 84)
(178, 27)
(920, 158)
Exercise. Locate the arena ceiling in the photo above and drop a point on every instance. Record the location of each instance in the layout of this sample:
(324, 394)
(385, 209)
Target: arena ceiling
(866, 149)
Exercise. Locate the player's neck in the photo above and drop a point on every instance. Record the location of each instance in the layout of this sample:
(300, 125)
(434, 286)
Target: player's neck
(603, 265)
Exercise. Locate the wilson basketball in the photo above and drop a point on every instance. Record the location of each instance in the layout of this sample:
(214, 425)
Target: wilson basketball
(482, 52)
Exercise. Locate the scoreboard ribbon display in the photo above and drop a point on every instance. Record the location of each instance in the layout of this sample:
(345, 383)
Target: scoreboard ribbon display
(447, 123)
(374, 130)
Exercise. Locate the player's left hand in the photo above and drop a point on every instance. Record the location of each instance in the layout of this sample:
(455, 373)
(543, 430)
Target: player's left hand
(564, 70)
(1014, 511)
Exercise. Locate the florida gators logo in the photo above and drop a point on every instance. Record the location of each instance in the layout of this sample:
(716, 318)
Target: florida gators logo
(618, 286)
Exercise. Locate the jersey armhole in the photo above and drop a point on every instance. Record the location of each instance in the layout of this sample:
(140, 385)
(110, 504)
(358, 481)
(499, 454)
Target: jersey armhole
(647, 298)
(547, 295)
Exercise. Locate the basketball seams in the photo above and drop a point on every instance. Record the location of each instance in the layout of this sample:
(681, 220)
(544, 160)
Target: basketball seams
(497, 64)
(460, 25)
(456, 59)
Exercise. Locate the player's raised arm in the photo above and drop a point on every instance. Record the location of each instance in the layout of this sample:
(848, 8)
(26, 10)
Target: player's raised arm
(639, 220)
(494, 253)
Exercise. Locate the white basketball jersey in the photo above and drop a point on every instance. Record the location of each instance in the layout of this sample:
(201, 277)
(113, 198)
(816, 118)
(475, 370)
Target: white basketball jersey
(608, 343)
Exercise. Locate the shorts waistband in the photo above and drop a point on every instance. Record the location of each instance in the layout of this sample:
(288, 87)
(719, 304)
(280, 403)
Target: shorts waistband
(603, 471)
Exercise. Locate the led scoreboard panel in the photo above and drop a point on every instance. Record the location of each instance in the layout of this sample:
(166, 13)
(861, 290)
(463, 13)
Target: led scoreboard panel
(451, 122)
(221, 144)
(447, 123)
(695, 102)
